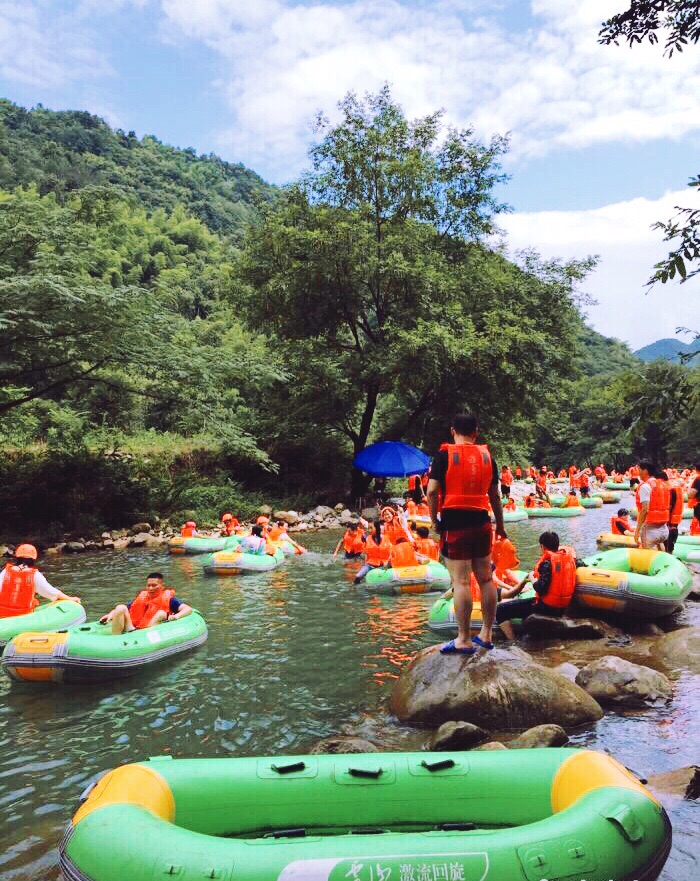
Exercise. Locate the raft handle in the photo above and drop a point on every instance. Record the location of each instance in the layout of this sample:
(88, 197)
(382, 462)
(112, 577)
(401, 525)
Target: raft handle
(289, 769)
(367, 830)
(456, 827)
(366, 772)
(299, 832)
(438, 766)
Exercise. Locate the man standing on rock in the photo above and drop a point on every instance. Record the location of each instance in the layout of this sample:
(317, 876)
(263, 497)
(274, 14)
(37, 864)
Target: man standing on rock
(465, 476)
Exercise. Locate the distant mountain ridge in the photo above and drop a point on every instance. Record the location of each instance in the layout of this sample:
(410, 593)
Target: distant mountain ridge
(667, 349)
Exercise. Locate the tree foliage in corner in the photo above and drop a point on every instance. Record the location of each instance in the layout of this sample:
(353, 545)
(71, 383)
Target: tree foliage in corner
(371, 276)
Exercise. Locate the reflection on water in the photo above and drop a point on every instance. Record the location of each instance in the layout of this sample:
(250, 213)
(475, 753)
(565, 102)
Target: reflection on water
(293, 655)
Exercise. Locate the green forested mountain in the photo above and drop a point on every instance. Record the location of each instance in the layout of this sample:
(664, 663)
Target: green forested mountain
(666, 350)
(63, 151)
(178, 337)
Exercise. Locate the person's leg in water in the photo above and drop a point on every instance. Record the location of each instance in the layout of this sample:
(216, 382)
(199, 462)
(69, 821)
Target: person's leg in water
(460, 572)
(362, 572)
(489, 600)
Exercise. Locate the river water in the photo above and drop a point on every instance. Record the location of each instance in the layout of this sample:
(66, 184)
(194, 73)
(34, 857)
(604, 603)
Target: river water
(293, 655)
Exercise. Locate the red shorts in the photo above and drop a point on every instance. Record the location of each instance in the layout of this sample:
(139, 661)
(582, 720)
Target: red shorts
(471, 543)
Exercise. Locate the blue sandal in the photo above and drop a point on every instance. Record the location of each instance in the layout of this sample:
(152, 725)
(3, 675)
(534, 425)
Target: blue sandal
(477, 640)
(451, 649)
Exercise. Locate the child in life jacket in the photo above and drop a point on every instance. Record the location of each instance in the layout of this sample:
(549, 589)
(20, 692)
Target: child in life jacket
(21, 581)
(571, 500)
(554, 580)
(426, 548)
(510, 505)
(155, 604)
(229, 524)
(401, 555)
(353, 543)
(255, 542)
(620, 524)
(189, 530)
(377, 551)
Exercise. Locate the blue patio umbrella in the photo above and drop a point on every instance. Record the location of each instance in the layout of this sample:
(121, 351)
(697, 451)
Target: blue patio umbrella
(391, 459)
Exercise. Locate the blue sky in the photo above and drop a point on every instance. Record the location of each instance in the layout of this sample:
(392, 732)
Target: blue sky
(603, 138)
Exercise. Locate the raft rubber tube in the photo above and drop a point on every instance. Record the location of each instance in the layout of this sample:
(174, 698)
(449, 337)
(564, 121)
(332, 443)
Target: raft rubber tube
(441, 618)
(237, 563)
(633, 581)
(617, 487)
(408, 579)
(201, 545)
(514, 516)
(607, 540)
(686, 539)
(687, 513)
(610, 498)
(47, 616)
(91, 653)
(687, 553)
(478, 816)
(591, 502)
(555, 512)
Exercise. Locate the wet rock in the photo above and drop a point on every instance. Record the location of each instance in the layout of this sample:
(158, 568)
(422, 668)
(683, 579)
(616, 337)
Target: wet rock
(121, 544)
(265, 509)
(324, 511)
(613, 680)
(108, 544)
(74, 547)
(546, 627)
(92, 545)
(339, 507)
(138, 528)
(570, 671)
(5, 551)
(491, 745)
(52, 551)
(505, 689)
(679, 650)
(346, 516)
(106, 535)
(140, 540)
(457, 735)
(539, 736)
(342, 744)
(683, 782)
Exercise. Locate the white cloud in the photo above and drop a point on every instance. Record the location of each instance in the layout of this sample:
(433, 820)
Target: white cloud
(552, 86)
(621, 234)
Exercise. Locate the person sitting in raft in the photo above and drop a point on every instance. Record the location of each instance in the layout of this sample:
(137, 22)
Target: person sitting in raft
(571, 500)
(401, 555)
(541, 485)
(531, 501)
(426, 548)
(255, 542)
(510, 505)
(377, 551)
(620, 524)
(554, 580)
(394, 529)
(353, 542)
(189, 530)
(155, 604)
(229, 524)
(20, 580)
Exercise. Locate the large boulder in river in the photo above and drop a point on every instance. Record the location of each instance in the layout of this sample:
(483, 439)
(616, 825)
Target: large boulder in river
(679, 650)
(504, 689)
(683, 782)
(549, 627)
(613, 680)
(138, 528)
(457, 736)
(342, 744)
(540, 736)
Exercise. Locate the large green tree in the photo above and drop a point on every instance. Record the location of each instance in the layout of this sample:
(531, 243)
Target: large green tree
(372, 277)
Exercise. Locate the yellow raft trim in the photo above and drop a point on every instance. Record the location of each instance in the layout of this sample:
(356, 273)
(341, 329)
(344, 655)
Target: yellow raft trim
(132, 785)
(586, 771)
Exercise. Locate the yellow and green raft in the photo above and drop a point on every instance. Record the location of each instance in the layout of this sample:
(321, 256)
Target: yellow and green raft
(408, 579)
(633, 581)
(47, 616)
(475, 816)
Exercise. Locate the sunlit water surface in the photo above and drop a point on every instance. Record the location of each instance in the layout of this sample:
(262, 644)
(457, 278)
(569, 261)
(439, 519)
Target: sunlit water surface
(293, 655)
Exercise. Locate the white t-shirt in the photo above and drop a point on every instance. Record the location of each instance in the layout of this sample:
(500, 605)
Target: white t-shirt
(644, 493)
(41, 586)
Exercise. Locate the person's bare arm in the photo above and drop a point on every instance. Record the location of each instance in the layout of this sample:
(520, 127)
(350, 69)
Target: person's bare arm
(433, 495)
(182, 612)
(495, 499)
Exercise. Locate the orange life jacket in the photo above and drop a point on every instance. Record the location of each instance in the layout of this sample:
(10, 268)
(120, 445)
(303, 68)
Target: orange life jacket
(393, 530)
(510, 505)
(507, 477)
(428, 548)
(144, 607)
(188, 531)
(677, 512)
(17, 591)
(411, 508)
(518, 472)
(618, 525)
(468, 478)
(659, 503)
(403, 555)
(634, 471)
(541, 482)
(377, 554)
(423, 510)
(695, 526)
(561, 588)
(474, 588)
(412, 482)
(274, 533)
(352, 542)
(504, 555)
(571, 502)
(424, 481)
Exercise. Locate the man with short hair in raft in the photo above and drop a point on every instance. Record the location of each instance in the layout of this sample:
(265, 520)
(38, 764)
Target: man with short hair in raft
(155, 604)
(21, 582)
(465, 476)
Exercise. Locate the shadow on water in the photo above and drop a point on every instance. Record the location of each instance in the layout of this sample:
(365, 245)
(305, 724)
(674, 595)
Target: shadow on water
(293, 655)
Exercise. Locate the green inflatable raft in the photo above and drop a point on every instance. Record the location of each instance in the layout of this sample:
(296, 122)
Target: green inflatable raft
(591, 502)
(48, 616)
(236, 563)
(514, 516)
(91, 653)
(441, 617)
(408, 579)
(687, 553)
(197, 545)
(633, 581)
(617, 487)
(555, 512)
(562, 814)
